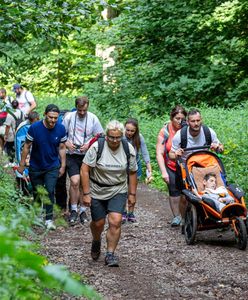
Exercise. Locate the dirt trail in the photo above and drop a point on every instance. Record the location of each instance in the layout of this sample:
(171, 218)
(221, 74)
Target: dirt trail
(155, 262)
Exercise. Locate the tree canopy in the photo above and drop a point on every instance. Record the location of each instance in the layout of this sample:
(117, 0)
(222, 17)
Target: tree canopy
(165, 52)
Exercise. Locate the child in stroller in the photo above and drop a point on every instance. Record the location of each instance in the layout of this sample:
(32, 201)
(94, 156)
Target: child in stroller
(219, 195)
(202, 213)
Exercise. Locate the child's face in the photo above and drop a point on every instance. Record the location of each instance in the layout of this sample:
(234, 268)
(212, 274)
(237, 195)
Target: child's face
(210, 183)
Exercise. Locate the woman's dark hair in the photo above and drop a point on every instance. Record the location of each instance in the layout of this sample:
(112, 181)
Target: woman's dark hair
(81, 101)
(136, 137)
(177, 110)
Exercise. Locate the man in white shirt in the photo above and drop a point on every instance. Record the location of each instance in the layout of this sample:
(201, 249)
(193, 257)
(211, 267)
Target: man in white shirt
(81, 125)
(195, 137)
(25, 99)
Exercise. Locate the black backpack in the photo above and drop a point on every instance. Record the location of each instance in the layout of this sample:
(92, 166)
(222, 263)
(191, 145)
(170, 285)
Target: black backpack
(18, 120)
(184, 133)
(101, 142)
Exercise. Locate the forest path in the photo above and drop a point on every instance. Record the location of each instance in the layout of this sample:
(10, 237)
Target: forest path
(155, 262)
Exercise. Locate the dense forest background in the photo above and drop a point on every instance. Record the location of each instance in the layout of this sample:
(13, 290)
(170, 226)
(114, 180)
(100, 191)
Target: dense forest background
(132, 58)
(164, 52)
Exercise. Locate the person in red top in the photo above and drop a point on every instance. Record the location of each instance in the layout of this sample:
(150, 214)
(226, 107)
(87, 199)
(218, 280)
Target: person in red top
(167, 166)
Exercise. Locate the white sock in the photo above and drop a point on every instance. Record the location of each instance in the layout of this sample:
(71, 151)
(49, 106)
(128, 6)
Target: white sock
(74, 207)
(82, 209)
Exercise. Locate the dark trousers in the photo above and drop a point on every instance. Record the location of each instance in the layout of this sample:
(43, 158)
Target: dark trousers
(10, 150)
(61, 192)
(47, 179)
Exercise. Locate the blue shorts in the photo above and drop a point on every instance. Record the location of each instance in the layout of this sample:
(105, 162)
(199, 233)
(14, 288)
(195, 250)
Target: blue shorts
(100, 208)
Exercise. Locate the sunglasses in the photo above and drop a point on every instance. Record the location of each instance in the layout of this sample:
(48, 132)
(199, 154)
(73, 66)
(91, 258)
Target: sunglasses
(114, 138)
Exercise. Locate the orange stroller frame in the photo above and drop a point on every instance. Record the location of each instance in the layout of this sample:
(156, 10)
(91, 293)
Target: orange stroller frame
(201, 214)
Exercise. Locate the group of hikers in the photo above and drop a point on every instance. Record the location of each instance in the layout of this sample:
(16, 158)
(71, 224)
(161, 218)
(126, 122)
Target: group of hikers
(104, 166)
(12, 113)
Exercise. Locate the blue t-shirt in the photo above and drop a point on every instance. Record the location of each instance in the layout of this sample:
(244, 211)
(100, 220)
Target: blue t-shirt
(45, 145)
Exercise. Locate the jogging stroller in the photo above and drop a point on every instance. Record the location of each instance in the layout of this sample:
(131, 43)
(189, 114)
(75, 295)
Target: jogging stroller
(23, 180)
(201, 213)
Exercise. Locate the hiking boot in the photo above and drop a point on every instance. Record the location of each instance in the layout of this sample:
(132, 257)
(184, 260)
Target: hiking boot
(83, 217)
(176, 221)
(73, 217)
(95, 249)
(50, 225)
(111, 260)
(131, 217)
(124, 217)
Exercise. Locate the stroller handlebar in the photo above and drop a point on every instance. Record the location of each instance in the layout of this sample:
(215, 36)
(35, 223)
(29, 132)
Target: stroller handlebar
(196, 148)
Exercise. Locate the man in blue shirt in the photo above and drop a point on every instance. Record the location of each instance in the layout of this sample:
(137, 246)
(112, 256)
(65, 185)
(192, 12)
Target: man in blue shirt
(46, 141)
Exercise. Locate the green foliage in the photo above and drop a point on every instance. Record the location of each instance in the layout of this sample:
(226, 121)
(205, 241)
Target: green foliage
(23, 273)
(167, 53)
(46, 45)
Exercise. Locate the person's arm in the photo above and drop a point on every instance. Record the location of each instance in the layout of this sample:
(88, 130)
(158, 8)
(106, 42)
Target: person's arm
(85, 183)
(30, 98)
(62, 155)
(160, 147)
(176, 150)
(32, 107)
(216, 144)
(9, 122)
(7, 128)
(66, 122)
(145, 155)
(25, 152)
(132, 188)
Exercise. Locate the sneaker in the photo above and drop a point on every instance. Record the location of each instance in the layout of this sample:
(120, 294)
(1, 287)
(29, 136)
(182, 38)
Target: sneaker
(131, 217)
(73, 217)
(83, 217)
(124, 217)
(50, 225)
(95, 249)
(111, 260)
(176, 221)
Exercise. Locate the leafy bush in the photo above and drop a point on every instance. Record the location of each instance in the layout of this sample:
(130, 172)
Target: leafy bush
(23, 273)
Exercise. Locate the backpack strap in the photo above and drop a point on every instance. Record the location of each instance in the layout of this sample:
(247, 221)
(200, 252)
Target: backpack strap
(25, 95)
(127, 151)
(184, 133)
(166, 133)
(101, 141)
(207, 133)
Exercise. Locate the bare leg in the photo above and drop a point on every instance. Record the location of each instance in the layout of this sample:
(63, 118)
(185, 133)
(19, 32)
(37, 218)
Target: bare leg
(114, 231)
(182, 206)
(74, 189)
(97, 229)
(174, 205)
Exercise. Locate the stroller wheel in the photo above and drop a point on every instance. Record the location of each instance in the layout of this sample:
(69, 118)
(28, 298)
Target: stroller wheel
(190, 226)
(240, 233)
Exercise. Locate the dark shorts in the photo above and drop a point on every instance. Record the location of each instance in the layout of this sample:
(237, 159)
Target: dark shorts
(74, 163)
(174, 186)
(100, 208)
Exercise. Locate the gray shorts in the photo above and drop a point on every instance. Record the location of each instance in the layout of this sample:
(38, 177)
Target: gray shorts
(100, 208)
